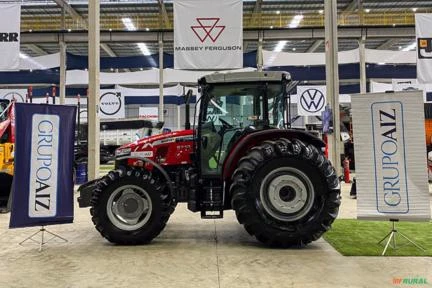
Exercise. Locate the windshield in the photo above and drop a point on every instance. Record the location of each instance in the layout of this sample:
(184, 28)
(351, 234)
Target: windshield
(241, 105)
(229, 109)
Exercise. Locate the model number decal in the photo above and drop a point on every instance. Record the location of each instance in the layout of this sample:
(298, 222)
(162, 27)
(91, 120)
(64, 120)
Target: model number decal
(146, 154)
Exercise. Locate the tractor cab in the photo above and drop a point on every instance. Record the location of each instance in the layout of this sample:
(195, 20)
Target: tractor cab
(231, 109)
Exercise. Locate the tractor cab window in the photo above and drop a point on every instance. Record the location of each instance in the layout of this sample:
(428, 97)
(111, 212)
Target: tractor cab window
(3, 106)
(228, 110)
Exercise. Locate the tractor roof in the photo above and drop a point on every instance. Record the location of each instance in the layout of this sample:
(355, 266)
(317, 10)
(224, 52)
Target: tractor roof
(254, 76)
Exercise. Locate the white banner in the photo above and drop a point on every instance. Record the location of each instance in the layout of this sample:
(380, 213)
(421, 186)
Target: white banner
(112, 104)
(19, 95)
(149, 113)
(424, 47)
(10, 19)
(390, 156)
(311, 100)
(208, 34)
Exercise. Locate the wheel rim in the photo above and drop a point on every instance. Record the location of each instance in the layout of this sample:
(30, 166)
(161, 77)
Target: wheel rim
(129, 207)
(287, 194)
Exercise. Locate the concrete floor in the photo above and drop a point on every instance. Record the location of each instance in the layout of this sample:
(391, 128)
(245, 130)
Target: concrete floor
(191, 252)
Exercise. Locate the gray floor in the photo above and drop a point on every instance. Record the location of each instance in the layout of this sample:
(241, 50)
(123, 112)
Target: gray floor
(192, 253)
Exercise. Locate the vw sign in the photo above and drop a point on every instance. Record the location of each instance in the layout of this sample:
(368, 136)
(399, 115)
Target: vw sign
(312, 100)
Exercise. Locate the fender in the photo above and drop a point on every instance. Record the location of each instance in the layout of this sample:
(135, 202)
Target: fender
(86, 190)
(250, 140)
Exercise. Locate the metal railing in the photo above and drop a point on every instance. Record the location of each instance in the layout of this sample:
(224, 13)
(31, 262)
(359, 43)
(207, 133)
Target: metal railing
(152, 21)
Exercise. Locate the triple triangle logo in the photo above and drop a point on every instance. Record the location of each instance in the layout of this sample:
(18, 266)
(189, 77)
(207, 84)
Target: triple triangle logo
(208, 28)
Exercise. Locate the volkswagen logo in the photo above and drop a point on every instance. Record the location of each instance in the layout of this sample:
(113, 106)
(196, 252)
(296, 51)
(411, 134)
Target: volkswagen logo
(110, 103)
(312, 100)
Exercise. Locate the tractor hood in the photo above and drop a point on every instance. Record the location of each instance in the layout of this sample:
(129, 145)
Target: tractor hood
(149, 143)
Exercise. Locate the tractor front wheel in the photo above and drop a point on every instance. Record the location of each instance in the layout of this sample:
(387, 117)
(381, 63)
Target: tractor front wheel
(285, 193)
(131, 206)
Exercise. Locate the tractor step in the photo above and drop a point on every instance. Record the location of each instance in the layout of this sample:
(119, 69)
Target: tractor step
(211, 214)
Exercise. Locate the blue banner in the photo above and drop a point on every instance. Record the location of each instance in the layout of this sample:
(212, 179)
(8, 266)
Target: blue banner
(43, 183)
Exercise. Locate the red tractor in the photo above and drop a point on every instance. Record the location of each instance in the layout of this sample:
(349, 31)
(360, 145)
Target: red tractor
(241, 156)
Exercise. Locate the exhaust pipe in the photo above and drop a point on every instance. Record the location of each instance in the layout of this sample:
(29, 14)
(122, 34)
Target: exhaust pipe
(187, 98)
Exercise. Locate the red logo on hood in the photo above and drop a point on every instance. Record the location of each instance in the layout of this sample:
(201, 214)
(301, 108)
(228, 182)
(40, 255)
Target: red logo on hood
(208, 28)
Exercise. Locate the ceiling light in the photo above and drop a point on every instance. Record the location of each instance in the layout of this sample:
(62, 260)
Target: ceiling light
(127, 22)
(271, 27)
(141, 69)
(295, 22)
(414, 9)
(144, 49)
(410, 47)
(367, 10)
(394, 25)
(320, 11)
(110, 30)
(23, 55)
(30, 30)
(400, 47)
(279, 47)
(278, 12)
(294, 49)
(69, 30)
(147, 29)
(381, 63)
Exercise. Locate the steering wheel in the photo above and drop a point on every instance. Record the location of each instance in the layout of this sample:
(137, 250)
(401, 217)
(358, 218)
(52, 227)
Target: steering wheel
(225, 124)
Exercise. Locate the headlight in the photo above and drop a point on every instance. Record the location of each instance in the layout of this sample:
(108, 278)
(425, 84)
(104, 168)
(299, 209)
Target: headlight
(123, 152)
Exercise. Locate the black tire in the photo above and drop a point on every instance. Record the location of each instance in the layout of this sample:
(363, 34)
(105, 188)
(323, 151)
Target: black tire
(5, 189)
(158, 197)
(251, 188)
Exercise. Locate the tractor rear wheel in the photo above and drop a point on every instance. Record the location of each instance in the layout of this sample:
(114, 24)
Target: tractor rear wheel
(285, 193)
(131, 206)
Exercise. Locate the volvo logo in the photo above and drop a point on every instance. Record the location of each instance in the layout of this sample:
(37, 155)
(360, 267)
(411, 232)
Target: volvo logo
(312, 100)
(14, 96)
(110, 103)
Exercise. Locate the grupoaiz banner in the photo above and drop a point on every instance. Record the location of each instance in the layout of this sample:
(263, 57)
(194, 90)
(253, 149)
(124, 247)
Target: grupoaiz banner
(424, 47)
(208, 34)
(10, 19)
(390, 155)
(44, 151)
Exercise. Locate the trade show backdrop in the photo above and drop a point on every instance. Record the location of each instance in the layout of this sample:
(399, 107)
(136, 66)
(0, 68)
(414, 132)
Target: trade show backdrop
(390, 156)
(424, 47)
(10, 23)
(42, 191)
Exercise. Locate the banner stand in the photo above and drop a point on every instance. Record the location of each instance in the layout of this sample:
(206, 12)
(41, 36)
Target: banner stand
(392, 236)
(42, 241)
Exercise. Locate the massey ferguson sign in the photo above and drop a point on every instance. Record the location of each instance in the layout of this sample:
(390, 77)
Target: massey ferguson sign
(208, 34)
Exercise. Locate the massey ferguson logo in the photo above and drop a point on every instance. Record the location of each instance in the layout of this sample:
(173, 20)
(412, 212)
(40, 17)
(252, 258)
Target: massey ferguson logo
(208, 28)
(312, 100)
(208, 31)
(424, 47)
(110, 103)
